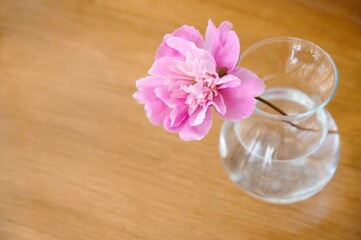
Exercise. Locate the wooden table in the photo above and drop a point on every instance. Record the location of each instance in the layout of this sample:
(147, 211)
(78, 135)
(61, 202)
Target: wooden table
(79, 159)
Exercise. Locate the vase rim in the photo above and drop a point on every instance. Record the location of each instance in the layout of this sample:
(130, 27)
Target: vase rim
(292, 39)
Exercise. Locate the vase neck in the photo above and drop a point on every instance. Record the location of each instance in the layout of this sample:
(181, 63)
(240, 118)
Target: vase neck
(282, 139)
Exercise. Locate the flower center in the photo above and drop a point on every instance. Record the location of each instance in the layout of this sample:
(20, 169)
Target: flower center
(222, 71)
(209, 87)
(201, 91)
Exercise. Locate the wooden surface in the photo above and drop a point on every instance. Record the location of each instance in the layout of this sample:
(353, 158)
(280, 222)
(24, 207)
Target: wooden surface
(79, 160)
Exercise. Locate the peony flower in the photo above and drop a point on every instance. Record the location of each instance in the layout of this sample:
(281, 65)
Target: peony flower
(190, 76)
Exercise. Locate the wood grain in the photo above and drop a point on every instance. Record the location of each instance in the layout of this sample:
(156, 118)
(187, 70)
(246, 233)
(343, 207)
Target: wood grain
(79, 160)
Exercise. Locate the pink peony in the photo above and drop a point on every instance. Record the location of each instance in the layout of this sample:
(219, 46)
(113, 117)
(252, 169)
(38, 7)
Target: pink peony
(191, 75)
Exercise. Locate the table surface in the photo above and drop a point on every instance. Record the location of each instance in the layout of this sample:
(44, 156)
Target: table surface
(79, 159)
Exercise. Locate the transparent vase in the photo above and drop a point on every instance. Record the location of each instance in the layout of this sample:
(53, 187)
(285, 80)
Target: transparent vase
(285, 158)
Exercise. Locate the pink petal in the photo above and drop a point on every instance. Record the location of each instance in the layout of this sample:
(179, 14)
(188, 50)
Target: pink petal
(144, 96)
(219, 104)
(189, 133)
(228, 55)
(149, 83)
(193, 55)
(198, 116)
(180, 44)
(186, 32)
(211, 36)
(165, 51)
(195, 88)
(178, 114)
(162, 93)
(223, 44)
(178, 93)
(238, 102)
(146, 88)
(165, 95)
(156, 111)
(169, 66)
(250, 82)
(228, 81)
(197, 59)
(173, 129)
(208, 62)
(223, 29)
(191, 34)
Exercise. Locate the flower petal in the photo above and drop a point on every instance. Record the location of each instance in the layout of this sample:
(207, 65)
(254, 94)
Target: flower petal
(223, 29)
(143, 97)
(250, 82)
(165, 51)
(196, 59)
(189, 133)
(219, 104)
(149, 83)
(190, 33)
(228, 81)
(156, 111)
(238, 102)
(170, 67)
(223, 44)
(198, 116)
(178, 114)
(186, 32)
(173, 129)
(211, 36)
(146, 88)
(180, 44)
(164, 94)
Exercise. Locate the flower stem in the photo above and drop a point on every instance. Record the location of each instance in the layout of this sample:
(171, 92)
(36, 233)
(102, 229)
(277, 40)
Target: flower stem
(271, 105)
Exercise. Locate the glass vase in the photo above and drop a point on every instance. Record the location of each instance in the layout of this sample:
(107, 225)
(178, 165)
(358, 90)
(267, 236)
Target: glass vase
(285, 158)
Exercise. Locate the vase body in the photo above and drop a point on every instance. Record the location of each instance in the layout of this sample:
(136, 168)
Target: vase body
(277, 158)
